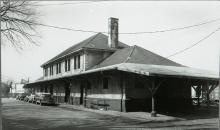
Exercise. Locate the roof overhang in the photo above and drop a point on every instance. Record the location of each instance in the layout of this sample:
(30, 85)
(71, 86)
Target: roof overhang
(77, 51)
(60, 58)
(149, 70)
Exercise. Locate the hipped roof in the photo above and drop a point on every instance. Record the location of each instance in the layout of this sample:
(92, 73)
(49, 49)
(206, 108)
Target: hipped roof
(138, 55)
(98, 41)
(133, 59)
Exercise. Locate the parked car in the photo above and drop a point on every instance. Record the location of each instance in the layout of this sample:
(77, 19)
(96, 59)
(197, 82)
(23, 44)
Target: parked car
(26, 98)
(45, 99)
(17, 97)
(23, 95)
(31, 98)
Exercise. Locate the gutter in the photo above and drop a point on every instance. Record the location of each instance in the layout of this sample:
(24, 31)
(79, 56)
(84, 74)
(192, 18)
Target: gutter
(83, 48)
(60, 57)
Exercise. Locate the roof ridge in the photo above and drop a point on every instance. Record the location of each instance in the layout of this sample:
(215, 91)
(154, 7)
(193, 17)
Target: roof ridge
(69, 48)
(92, 39)
(139, 47)
(129, 56)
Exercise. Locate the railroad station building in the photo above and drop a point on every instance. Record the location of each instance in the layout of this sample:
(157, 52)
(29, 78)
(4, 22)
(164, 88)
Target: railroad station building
(102, 72)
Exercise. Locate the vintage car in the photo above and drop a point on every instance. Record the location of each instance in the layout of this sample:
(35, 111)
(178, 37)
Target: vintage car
(31, 98)
(23, 95)
(17, 97)
(44, 99)
(26, 98)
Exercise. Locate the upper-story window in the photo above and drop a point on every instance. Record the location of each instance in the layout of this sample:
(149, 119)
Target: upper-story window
(77, 62)
(46, 72)
(67, 65)
(51, 70)
(58, 68)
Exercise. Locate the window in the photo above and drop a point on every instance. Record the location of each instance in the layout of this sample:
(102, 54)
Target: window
(105, 83)
(77, 62)
(45, 72)
(58, 68)
(74, 62)
(67, 65)
(51, 70)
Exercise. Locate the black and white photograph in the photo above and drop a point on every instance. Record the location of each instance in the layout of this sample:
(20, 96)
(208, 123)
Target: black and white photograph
(109, 65)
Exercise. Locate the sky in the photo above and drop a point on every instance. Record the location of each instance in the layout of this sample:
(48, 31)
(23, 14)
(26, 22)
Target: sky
(134, 16)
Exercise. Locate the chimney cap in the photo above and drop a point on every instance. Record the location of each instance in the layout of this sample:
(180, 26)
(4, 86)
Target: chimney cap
(113, 18)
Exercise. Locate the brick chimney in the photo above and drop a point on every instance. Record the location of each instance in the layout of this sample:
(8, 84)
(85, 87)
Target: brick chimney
(113, 32)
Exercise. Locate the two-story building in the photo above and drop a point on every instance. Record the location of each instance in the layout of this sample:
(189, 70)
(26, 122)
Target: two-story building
(102, 71)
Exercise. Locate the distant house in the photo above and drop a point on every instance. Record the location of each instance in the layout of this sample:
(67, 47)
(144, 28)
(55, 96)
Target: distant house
(214, 95)
(18, 88)
(104, 72)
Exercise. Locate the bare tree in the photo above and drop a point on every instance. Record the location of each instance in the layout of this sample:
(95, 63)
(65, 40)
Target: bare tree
(18, 23)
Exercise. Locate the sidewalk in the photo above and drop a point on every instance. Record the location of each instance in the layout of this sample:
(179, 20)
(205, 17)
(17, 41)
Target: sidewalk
(141, 116)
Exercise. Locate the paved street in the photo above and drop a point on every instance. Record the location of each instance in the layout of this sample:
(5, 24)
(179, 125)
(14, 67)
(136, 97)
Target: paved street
(19, 115)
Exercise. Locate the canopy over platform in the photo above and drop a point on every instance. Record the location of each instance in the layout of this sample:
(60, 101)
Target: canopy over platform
(148, 70)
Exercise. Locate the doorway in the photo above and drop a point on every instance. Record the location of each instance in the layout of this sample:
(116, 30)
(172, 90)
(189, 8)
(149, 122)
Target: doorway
(51, 89)
(67, 92)
(81, 94)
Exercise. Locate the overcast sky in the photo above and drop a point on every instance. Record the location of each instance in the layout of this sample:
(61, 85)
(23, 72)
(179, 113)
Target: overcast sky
(133, 17)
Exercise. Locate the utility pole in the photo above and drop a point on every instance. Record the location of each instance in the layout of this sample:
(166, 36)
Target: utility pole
(0, 72)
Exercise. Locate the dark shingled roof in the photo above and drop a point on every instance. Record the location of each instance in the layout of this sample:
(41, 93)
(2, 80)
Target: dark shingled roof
(98, 41)
(138, 55)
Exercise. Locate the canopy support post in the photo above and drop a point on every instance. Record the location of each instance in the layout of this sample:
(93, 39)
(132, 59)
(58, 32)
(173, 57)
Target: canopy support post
(152, 91)
(198, 93)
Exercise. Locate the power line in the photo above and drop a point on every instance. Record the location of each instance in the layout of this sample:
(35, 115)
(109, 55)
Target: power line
(67, 3)
(175, 29)
(147, 32)
(69, 29)
(191, 46)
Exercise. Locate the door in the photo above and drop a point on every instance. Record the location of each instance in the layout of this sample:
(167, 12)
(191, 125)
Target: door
(51, 89)
(67, 92)
(81, 94)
